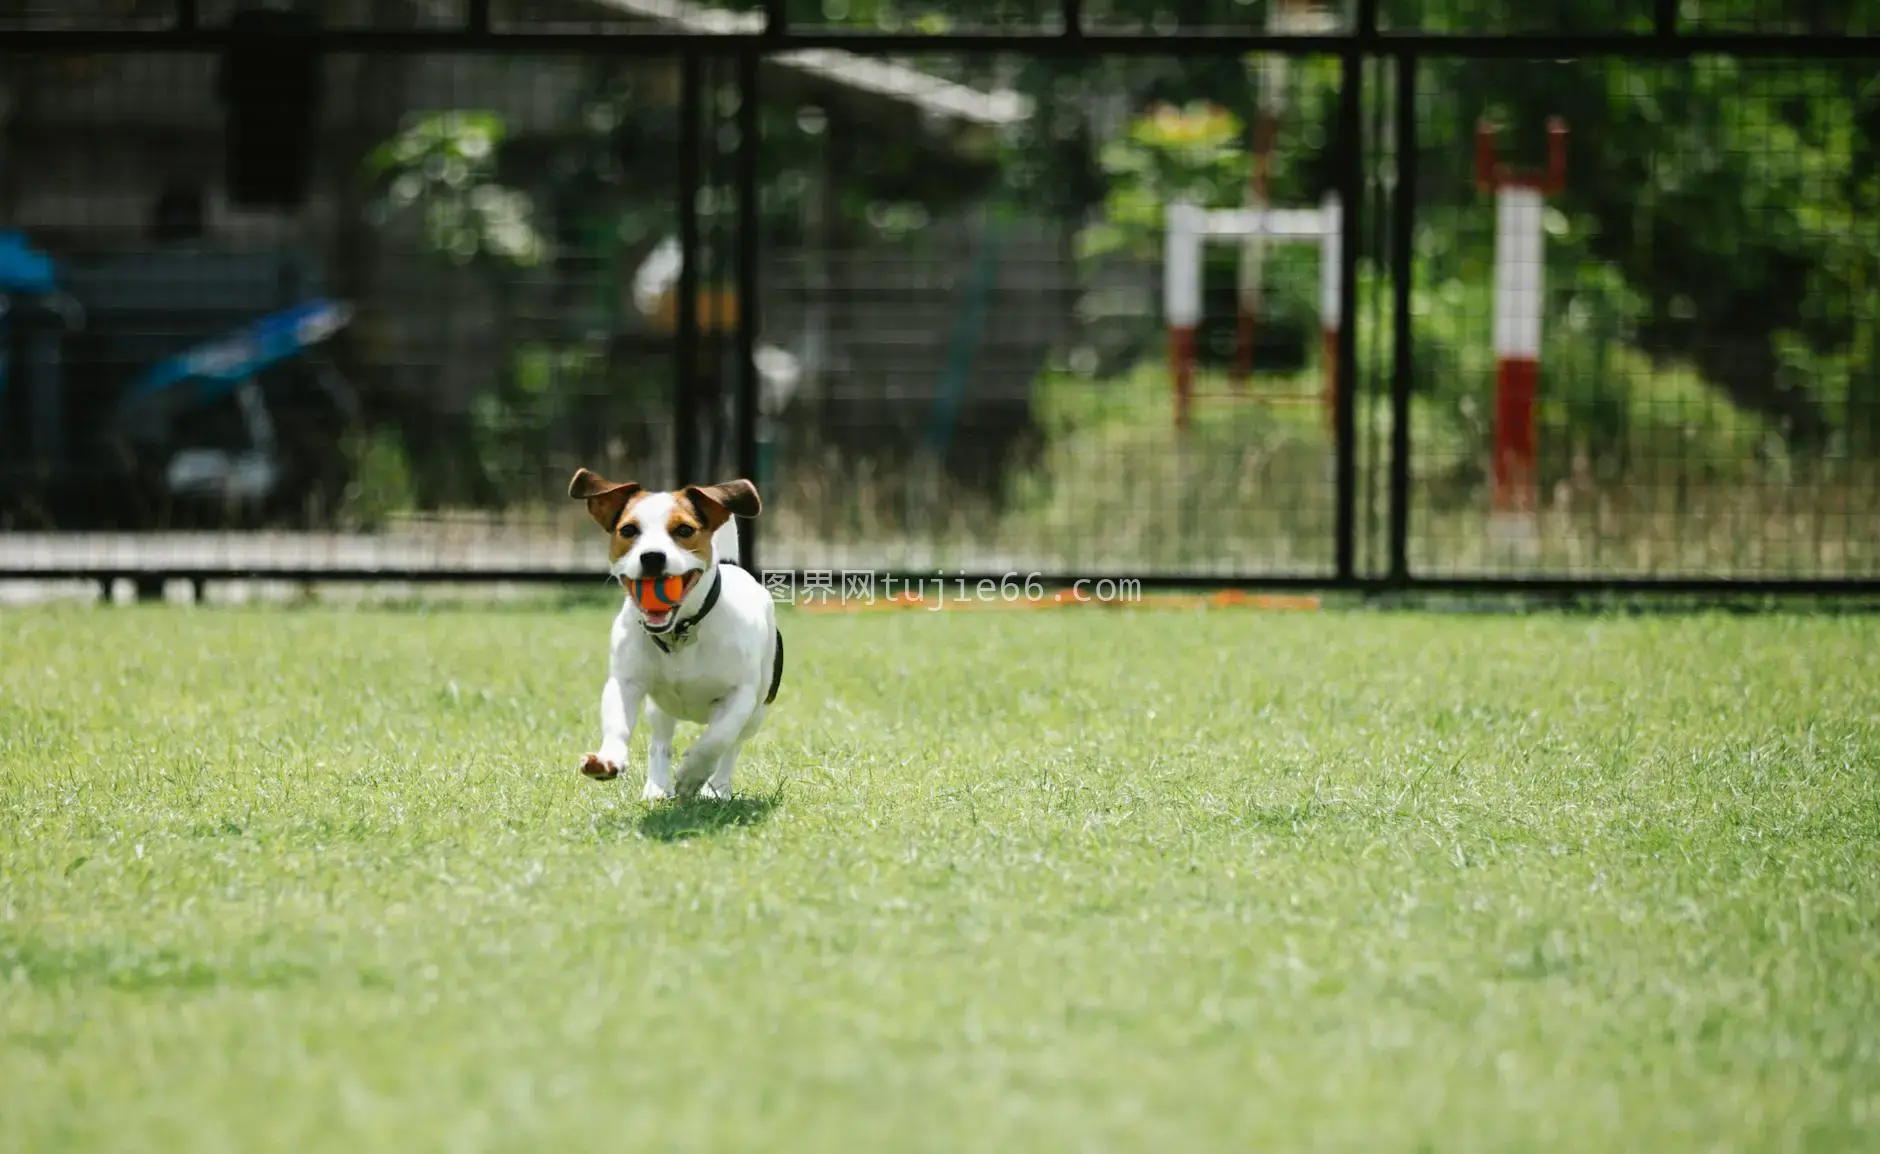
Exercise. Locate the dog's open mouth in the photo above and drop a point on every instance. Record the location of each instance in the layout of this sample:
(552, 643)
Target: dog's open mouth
(659, 616)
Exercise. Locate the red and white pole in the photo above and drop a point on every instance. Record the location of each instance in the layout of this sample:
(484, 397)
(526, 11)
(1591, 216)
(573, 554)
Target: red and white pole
(1181, 295)
(1330, 301)
(1520, 284)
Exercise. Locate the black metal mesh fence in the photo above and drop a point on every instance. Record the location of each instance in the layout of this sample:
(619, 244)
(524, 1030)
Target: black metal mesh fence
(473, 225)
(981, 342)
(1703, 330)
(957, 291)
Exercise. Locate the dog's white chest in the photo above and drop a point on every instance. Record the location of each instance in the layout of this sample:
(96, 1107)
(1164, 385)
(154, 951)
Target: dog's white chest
(687, 683)
(724, 650)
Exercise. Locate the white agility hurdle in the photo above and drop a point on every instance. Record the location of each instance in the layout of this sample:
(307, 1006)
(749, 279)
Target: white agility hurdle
(1189, 228)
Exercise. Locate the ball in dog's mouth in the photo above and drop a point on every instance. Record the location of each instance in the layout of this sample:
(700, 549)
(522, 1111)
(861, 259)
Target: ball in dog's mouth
(659, 597)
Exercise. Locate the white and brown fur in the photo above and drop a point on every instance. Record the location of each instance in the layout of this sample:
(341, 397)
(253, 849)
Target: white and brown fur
(720, 671)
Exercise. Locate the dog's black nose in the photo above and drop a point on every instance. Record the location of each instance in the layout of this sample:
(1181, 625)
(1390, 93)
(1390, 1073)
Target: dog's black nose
(652, 564)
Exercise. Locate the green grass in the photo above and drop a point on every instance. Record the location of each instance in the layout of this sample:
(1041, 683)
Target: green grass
(315, 880)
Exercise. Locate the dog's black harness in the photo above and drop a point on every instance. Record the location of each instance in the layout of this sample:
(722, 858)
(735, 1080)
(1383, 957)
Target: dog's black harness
(679, 631)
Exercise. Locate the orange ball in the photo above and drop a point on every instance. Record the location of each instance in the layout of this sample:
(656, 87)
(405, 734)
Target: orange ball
(658, 592)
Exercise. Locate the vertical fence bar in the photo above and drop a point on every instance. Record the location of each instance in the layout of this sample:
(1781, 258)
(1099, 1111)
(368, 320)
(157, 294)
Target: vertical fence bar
(1351, 198)
(1370, 450)
(1403, 282)
(685, 383)
(478, 18)
(186, 16)
(716, 401)
(1665, 18)
(749, 237)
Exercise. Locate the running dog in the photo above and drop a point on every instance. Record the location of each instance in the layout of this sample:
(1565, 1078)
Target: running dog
(715, 658)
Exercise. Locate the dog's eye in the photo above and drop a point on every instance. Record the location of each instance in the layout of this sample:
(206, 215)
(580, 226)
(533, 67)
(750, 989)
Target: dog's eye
(629, 530)
(682, 532)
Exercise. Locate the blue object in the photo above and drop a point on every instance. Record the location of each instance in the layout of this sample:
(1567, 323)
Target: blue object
(24, 269)
(218, 366)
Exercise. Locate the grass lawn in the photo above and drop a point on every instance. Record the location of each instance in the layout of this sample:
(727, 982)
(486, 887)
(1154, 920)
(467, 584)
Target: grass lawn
(319, 880)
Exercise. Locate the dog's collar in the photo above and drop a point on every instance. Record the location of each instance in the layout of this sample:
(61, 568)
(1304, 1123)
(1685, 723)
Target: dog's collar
(680, 630)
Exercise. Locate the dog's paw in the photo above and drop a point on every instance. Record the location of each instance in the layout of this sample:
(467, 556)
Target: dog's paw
(596, 767)
(710, 792)
(652, 792)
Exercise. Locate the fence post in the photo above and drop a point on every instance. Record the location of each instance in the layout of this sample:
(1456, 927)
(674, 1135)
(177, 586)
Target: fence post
(1351, 197)
(1403, 284)
(686, 366)
(744, 424)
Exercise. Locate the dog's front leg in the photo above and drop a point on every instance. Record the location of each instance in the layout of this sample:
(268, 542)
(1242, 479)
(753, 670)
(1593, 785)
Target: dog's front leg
(620, 712)
(660, 727)
(728, 720)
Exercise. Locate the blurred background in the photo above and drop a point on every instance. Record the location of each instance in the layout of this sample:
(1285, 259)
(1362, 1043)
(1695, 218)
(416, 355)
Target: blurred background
(283, 297)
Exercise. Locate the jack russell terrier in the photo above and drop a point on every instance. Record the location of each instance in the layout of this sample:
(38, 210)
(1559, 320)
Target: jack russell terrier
(715, 658)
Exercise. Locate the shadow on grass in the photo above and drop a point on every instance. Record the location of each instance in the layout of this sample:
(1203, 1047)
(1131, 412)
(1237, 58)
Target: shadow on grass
(682, 820)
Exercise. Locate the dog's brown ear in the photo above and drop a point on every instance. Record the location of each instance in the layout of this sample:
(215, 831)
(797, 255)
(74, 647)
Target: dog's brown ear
(716, 503)
(605, 499)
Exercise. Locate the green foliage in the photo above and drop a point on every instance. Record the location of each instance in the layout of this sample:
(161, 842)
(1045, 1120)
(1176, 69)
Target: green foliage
(382, 482)
(1731, 199)
(517, 426)
(443, 167)
(1168, 154)
(1731, 194)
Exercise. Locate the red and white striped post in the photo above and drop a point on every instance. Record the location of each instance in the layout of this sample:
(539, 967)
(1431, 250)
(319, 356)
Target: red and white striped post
(1330, 302)
(1520, 266)
(1185, 227)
